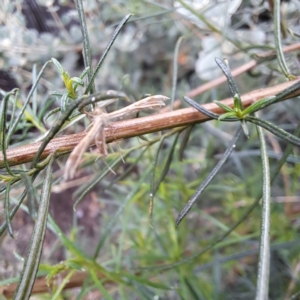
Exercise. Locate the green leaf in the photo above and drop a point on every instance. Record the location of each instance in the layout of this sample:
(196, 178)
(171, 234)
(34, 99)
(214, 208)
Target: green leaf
(225, 116)
(258, 105)
(58, 66)
(31, 194)
(226, 71)
(86, 45)
(224, 106)
(146, 281)
(205, 111)
(17, 206)
(128, 198)
(84, 72)
(54, 93)
(209, 178)
(115, 34)
(245, 128)
(64, 282)
(175, 70)
(15, 124)
(77, 80)
(3, 140)
(288, 137)
(155, 186)
(90, 185)
(100, 286)
(50, 113)
(64, 102)
(238, 104)
(244, 216)
(184, 142)
(6, 208)
(262, 291)
(37, 239)
(278, 45)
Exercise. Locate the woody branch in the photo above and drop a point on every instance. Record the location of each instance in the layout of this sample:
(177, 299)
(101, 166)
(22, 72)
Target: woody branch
(139, 126)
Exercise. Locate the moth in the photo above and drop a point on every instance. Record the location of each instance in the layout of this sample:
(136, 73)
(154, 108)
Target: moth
(96, 133)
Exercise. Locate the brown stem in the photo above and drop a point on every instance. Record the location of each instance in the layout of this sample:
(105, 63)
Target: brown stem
(41, 286)
(260, 57)
(136, 127)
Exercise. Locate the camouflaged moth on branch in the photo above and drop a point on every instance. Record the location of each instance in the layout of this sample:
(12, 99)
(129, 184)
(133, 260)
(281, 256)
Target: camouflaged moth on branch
(96, 134)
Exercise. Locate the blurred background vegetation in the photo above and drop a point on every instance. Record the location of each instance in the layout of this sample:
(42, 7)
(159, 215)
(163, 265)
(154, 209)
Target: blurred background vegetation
(141, 62)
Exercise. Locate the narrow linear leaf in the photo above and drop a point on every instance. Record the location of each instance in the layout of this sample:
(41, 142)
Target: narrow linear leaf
(258, 105)
(67, 243)
(84, 189)
(77, 80)
(6, 209)
(286, 136)
(232, 86)
(100, 286)
(64, 101)
(64, 282)
(34, 96)
(278, 46)
(200, 16)
(200, 108)
(120, 210)
(175, 70)
(152, 181)
(262, 291)
(58, 66)
(237, 103)
(245, 215)
(224, 106)
(167, 164)
(278, 97)
(31, 263)
(210, 177)
(225, 116)
(55, 93)
(184, 142)
(43, 109)
(245, 128)
(128, 170)
(13, 111)
(207, 112)
(115, 34)
(84, 72)
(15, 124)
(86, 45)
(244, 254)
(31, 194)
(155, 186)
(3, 142)
(145, 281)
(17, 206)
(96, 180)
(50, 113)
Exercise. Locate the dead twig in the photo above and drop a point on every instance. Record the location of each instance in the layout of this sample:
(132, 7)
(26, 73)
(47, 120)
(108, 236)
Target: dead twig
(97, 134)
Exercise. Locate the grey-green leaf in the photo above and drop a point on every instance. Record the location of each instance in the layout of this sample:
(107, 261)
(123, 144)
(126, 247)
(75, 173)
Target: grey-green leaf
(58, 65)
(31, 263)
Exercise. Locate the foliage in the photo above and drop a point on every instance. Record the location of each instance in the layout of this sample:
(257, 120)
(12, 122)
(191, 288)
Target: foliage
(101, 224)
